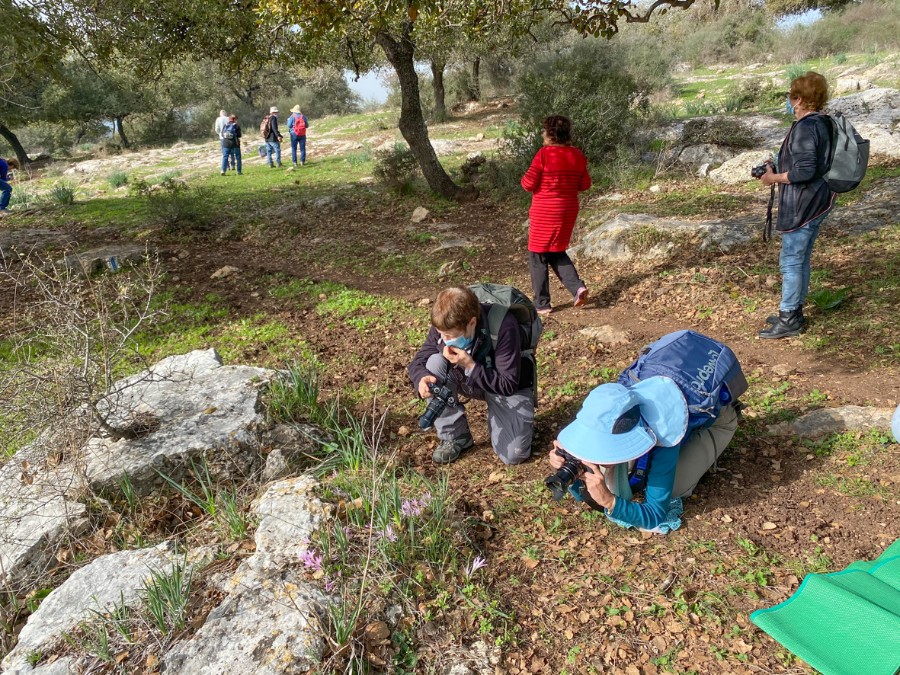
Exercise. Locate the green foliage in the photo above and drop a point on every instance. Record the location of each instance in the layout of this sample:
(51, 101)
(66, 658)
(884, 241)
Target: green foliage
(175, 206)
(829, 298)
(165, 597)
(117, 179)
(396, 168)
(294, 397)
(590, 85)
(742, 35)
(62, 194)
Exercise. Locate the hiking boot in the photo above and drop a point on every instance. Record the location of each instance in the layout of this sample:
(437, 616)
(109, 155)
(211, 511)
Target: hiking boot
(279, 165)
(772, 318)
(788, 324)
(449, 451)
(580, 297)
(222, 173)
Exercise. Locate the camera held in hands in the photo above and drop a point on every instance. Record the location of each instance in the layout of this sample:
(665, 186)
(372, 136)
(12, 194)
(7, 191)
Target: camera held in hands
(441, 397)
(759, 170)
(568, 473)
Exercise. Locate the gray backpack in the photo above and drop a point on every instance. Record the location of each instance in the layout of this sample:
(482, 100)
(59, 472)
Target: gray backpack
(849, 155)
(505, 300)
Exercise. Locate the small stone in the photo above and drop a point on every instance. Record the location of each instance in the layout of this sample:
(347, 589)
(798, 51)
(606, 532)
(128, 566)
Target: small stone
(377, 631)
(403, 431)
(223, 272)
(655, 189)
(424, 302)
(420, 214)
(726, 518)
(606, 334)
(783, 369)
(769, 526)
(479, 137)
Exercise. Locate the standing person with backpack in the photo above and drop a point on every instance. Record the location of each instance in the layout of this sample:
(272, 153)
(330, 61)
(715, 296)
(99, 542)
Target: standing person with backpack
(804, 197)
(297, 124)
(272, 137)
(5, 187)
(658, 429)
(461, 354)
(556, 176)
(221, 121)
(231, 145)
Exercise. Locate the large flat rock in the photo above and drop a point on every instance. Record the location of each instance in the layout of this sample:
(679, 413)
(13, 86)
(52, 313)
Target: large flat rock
(269, 623)
(200, 407)
(835, 420)
(627, 237)
(97, 586)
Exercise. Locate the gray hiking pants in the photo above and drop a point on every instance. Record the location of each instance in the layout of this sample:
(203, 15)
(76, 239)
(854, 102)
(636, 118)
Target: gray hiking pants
(510, 418)
(701, 450)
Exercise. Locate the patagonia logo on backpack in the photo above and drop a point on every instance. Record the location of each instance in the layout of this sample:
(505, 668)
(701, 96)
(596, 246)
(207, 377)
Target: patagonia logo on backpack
(508, 300)
(265, 126)
(849, 155)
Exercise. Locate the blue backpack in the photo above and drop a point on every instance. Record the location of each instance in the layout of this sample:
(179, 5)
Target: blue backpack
(706, 371)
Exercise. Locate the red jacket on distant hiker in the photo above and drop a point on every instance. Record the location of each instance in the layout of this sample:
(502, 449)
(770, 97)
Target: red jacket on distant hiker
(556, 176)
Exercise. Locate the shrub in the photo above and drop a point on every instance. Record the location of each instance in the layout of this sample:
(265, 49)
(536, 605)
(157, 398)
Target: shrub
(117, 179)
(175, 206)
(723, 131)
(588, 84)
(62, 194)
(396, 168)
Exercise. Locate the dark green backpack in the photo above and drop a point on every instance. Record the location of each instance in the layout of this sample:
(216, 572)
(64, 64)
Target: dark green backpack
(505, 300)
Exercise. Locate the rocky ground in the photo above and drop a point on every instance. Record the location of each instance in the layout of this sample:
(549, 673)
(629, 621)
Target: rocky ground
(345, 274)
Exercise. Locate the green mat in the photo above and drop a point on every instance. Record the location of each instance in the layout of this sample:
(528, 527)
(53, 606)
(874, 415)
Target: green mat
(845, 623)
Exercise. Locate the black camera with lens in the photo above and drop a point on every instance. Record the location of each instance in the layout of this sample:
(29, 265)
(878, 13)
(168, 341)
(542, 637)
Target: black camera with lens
(568, 473)
(441, 397)
(759, 170)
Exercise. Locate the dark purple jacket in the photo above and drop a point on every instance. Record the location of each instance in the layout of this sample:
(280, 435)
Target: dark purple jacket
(804, 156)
(496, 371)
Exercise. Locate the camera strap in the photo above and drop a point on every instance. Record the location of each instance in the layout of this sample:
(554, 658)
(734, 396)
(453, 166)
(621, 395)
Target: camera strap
(587, 499)
(767, 229)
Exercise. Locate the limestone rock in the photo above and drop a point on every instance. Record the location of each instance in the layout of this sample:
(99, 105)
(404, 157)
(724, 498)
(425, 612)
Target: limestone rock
(96, 586)
(479, 658)
(269, 622)
(833, 420)
(419, 214)
(606, 334)
(200, 407)
(267, 625)
(222, 272)
(288, 512)
(705, 153)
(626, 237)
(875, 113)
(106, 258)
(851, 84)
(737, 169)
(876, 209)
(291, 445)
(30, 239)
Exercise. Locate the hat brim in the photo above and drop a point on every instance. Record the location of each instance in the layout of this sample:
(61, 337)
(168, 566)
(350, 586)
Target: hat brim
(590, 445)
(663, 408)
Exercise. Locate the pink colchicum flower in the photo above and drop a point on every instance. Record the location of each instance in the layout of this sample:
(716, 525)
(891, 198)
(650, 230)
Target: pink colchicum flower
(312, 560)
(475, 565)
(388, 533)
(412, 508)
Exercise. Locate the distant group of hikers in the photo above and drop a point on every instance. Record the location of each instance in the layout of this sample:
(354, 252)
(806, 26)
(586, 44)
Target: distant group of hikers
(228, 129)
(670, 415)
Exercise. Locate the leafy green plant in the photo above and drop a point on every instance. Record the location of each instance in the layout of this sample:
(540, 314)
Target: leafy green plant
(235, 519)
(206, 500)
(62, 194)
(165, 597)
(829, 298)
(396, 168)
(294, 396)
(117, 179)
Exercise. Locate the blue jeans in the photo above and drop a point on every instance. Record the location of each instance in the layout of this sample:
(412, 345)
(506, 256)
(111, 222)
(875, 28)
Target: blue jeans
(231, 156)
(273, 146)
(5, 194)
(301, 141)
(796, 251)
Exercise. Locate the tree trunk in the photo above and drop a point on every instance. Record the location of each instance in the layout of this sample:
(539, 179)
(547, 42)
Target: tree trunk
(437, 82)
(412, 122)
(13, 141)
(476, 79)
(120, 128)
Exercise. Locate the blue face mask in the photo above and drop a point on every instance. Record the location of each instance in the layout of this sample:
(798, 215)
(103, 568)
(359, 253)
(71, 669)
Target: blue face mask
(788, 107)
(461, 342)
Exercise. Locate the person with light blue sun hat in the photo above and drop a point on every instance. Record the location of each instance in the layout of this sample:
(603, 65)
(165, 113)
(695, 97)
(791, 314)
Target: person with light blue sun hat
(620, 428)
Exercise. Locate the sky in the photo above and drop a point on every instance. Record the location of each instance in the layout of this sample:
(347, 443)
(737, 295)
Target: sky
(370, 86)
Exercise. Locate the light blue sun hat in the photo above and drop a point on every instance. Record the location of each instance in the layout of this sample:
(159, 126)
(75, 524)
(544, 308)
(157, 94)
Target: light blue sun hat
(618, 424)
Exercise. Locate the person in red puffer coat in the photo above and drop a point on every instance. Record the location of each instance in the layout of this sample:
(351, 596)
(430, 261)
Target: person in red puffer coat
(556, 176)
